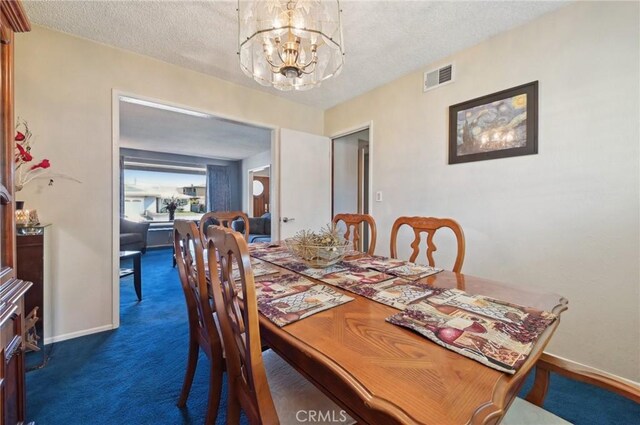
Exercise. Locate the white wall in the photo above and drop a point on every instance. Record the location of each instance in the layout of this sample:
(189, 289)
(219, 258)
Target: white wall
(64, 89)
(345, 174)
(565, 220)
(258, 160)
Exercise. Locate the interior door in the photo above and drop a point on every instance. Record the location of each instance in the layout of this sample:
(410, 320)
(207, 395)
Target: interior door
(305, 182)
(260, 201)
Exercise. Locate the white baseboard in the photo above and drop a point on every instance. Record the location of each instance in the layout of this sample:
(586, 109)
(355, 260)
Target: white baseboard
(71, 335)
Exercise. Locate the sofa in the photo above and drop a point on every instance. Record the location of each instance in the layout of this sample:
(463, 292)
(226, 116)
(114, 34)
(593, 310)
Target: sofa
(133, 236)
(260, 228)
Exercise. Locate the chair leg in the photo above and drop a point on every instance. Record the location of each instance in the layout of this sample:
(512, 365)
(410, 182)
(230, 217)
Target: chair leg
(215, 389)
(538, 392)
(233, 408)
(192, 362)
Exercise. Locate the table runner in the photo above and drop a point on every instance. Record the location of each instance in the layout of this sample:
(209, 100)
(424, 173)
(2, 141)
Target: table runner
(495, 333)
(281, 256)
(384, 280)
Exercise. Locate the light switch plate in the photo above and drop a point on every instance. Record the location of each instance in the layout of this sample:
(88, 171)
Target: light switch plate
(379, 196)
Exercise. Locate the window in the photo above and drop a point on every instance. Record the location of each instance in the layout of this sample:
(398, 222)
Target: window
(148, 194)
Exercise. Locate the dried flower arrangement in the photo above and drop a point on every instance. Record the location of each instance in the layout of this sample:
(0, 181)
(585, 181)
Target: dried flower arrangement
(320, 249)
(25, 171)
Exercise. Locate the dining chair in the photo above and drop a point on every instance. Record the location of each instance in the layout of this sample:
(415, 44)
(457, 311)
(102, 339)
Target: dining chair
(225, 219)
(203, 333)
(354, 221)
(530, 411)
(262, 384)
(428, 225)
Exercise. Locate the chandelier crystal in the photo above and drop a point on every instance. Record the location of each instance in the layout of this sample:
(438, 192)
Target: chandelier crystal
(290, 44)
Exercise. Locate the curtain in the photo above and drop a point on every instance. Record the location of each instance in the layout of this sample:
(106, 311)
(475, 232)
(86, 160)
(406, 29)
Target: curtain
(121, 186)
(218, 188)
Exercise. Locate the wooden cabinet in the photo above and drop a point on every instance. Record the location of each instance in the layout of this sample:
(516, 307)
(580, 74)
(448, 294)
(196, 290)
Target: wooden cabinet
(12, 388)
(30, 266)
(12, 290)
(32, 244)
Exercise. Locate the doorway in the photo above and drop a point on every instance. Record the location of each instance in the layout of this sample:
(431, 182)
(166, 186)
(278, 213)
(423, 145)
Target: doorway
(148, 136)
(351, 177)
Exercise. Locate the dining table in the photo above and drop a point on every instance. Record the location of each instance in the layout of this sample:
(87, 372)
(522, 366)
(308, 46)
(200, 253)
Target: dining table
(383, 374)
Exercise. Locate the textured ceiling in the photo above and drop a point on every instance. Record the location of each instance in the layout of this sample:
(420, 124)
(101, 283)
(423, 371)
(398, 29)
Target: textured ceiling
(383, 39)
(151, 129)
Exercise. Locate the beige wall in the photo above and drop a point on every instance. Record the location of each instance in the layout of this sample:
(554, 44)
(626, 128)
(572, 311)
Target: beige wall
(64, 89)
(565, 220)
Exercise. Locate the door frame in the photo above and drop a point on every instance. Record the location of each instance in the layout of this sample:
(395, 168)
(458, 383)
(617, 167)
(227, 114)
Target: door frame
(115, 179)
(351, 130)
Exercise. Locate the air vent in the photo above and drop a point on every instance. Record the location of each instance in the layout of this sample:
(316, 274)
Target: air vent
(438, 77)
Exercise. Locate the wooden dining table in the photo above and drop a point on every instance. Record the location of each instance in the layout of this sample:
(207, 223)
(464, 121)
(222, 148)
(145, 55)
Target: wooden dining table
(383, 374)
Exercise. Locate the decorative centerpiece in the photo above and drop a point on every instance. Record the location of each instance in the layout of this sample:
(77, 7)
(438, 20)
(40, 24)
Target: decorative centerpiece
(319, 250)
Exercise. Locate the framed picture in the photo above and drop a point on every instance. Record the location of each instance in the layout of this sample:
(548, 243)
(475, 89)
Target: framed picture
(497, 125)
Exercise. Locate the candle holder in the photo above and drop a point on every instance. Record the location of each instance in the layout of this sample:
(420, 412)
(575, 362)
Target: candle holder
(22, 217)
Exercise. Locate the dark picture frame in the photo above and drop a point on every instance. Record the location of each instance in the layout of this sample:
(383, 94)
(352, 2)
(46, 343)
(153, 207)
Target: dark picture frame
(498, 125)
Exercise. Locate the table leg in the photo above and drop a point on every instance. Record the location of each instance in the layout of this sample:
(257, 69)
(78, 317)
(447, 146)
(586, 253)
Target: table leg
(137, 276)
(173, 248)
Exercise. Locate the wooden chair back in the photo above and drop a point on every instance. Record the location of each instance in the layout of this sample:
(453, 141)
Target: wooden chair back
(191, 268)
(248, 386)
(429, 225)
(354, 221)
(224, 219)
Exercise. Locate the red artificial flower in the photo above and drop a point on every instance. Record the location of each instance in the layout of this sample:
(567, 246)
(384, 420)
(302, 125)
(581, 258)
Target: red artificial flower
(43, 164)
(24, 155)
(20, 136)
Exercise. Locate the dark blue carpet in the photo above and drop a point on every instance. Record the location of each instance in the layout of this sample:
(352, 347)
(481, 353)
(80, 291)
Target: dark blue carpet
(134, 374)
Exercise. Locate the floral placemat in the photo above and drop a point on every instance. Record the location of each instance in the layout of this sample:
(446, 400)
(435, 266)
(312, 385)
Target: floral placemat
(375, 262)
(259, 268)
(395, 267)
(495, 333)
(259, 246)
(321, 273)
(291, 308)
(264, 248)
(279, 285)
(413, 271)
(395, 292)
(276, 256)
(350, 277)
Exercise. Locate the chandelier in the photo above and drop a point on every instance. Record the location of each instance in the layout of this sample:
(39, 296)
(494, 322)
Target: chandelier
(290, 44)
